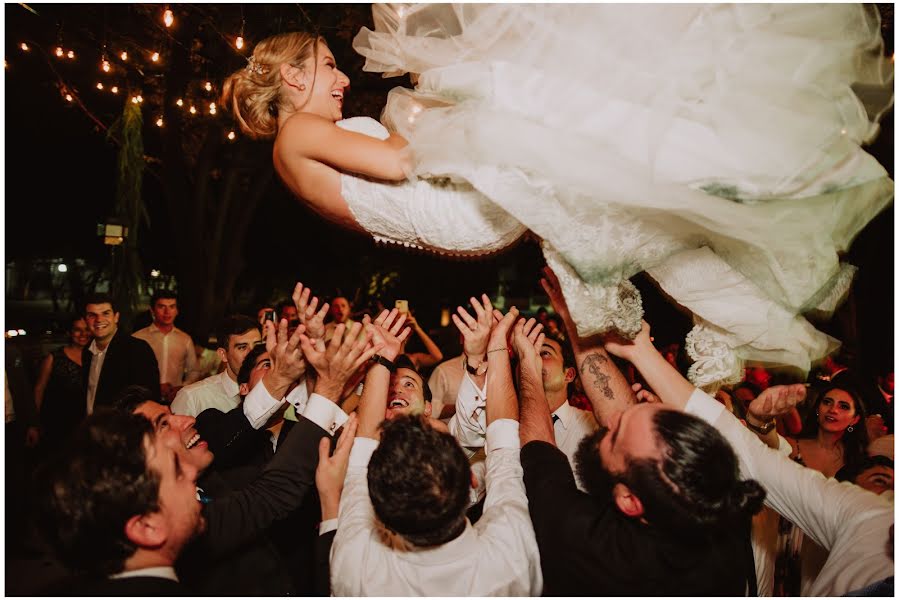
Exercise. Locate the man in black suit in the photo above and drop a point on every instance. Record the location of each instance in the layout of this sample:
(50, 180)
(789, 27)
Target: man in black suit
(119, 506)
(113, 362)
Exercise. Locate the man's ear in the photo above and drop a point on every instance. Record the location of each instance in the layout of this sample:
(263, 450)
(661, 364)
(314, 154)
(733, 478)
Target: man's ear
(222, 355)
(428, 409)
(243, 389)
(147, 531)
(627, 501)
(570, 374)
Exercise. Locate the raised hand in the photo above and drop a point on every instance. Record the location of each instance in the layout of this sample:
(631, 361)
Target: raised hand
(550, 285)
(332, 468)
(314, 321)
(776, 400)
(527, 339)
(288, 364)
(502, 328)
(475, 331)
(644, 395)
(336, 363)
(387, 332)
(626, 349)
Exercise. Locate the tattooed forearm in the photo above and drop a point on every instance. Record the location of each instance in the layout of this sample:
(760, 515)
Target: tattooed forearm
(593, 364)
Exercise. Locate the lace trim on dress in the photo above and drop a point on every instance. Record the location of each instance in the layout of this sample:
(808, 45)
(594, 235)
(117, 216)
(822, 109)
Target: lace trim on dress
(716, 363)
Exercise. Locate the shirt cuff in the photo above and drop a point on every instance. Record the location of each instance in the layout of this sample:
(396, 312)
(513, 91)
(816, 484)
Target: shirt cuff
(704, 406)
(363, 448)
(502, 433)
(259, 406)
(324, 413)
(326, 526)
(299, 397)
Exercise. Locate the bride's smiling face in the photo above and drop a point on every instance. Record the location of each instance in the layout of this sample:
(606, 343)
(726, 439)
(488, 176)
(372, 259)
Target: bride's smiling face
(327, 85)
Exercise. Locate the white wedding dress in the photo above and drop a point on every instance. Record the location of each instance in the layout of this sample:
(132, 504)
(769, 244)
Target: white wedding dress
(715, 147)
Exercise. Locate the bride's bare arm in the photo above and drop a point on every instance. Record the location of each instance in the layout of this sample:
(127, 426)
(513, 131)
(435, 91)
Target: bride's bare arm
(319, 139)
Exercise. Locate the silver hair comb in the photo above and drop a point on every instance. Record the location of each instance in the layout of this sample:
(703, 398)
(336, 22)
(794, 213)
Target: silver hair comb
(256, 67)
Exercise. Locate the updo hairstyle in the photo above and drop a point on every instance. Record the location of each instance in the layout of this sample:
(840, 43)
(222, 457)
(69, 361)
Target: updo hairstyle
(253, 93)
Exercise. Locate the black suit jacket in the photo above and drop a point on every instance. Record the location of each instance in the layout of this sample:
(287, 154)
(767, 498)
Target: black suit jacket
(129, 361)
(235, 555)
(122, 587)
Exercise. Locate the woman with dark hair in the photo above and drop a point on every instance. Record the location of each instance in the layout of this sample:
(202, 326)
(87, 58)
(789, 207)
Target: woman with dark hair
(833, 434)
(59, 391)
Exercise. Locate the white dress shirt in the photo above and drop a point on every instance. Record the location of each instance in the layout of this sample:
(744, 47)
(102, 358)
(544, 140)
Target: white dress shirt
(174, 352)
(93, 376)
(161, 572)
(444, 383)
(218, 391)
(850, 522)
(496, 557)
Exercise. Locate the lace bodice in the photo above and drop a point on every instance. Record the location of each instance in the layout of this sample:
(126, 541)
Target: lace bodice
(434, 215)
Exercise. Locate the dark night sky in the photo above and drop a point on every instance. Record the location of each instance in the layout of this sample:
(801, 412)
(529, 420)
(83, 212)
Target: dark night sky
(60, 182)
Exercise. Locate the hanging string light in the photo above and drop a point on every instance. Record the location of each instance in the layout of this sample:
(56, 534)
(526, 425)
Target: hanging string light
(114, 89)
(159, 122)
(25, 47)
(179, 102)
(231, 135)
(104, 64)
(168, 17)
(212, 108)
(69, 98)
(193, 110)
(71, 54)
(208, 86)
(239, 42)
(123, 55)
(99, 86)
(60, 52)
(155, 57)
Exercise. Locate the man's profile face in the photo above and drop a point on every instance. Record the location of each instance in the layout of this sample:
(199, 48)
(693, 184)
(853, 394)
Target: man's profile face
(238, 348)
(178, 431)
(260, 368)
(101, 320)
(406, 395)
(555, 376)
(178, 505)
(631, 435)
(164, 311)
(340, 309)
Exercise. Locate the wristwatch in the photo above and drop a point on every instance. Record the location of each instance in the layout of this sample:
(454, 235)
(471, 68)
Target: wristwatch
(763, 429)
(479, 370)
(384, 362)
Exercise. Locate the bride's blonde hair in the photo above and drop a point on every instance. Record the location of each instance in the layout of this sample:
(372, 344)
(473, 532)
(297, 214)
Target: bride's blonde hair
(254, 92)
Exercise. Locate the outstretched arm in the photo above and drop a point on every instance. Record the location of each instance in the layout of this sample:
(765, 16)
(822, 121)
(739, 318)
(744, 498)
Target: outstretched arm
(536, 421)
(433, 354)
(387, 331)
(605, 385)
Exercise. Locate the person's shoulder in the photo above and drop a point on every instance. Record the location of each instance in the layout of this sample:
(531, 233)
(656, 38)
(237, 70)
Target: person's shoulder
(212, 380)
(301, 131)
(142, 333)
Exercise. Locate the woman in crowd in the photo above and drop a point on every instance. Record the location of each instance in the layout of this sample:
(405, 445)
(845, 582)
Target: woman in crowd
(59, 392)
(627, 138)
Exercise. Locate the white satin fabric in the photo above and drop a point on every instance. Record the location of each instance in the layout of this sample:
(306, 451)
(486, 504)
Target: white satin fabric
(717, 147)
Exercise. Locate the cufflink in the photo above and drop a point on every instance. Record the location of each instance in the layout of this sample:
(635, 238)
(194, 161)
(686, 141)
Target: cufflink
(332, 428)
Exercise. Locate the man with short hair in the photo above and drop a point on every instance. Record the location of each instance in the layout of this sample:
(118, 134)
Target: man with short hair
(236, 337)
(113, 362)
(402, 528)
(121, 504)
(340, 312)
(174, 349)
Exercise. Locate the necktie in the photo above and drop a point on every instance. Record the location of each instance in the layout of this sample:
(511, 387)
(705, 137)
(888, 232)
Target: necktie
(555, 419)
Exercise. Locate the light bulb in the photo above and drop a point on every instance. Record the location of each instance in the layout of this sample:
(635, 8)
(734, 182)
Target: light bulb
(59, 51)
(139, 98)
(99, 86)
(24, 47)
(155, 57)
(71, 54)
(208, 86)
(124, 56)
(239, 42)
(134, 100)
(69, 98)
(231, 135)
(179, 102)
(114, 89)
(193, 110)
(105, 66)
(159, 122)
(168, 18)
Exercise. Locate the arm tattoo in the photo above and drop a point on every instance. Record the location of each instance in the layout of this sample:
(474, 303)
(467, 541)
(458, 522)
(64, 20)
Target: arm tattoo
(593, 364)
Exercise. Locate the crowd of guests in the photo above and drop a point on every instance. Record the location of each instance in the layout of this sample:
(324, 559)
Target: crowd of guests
(312, 454)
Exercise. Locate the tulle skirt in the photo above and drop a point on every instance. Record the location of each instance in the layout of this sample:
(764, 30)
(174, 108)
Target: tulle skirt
(629, 137)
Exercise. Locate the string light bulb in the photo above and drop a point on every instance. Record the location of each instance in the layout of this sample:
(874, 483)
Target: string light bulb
(99, 86)
(212, 109)
(59, 51)
(168, 18)
(179, 102)
(69, 98)
(24, 47)
(208, 86)
(193, 110)
(71, 54)
(114, 89)
(159, 122)
(123, 55)
(231, 135)
(105, 66)
(155, 57)
(133, 99)
(239, 42)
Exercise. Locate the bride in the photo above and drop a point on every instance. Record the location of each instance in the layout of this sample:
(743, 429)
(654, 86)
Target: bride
(718, 148)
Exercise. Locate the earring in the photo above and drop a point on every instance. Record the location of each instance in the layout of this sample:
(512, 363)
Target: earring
(850, 429)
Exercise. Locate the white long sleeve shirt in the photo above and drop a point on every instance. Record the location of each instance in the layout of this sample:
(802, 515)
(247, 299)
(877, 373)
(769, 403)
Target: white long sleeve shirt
(496, 557)
(850, 522)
